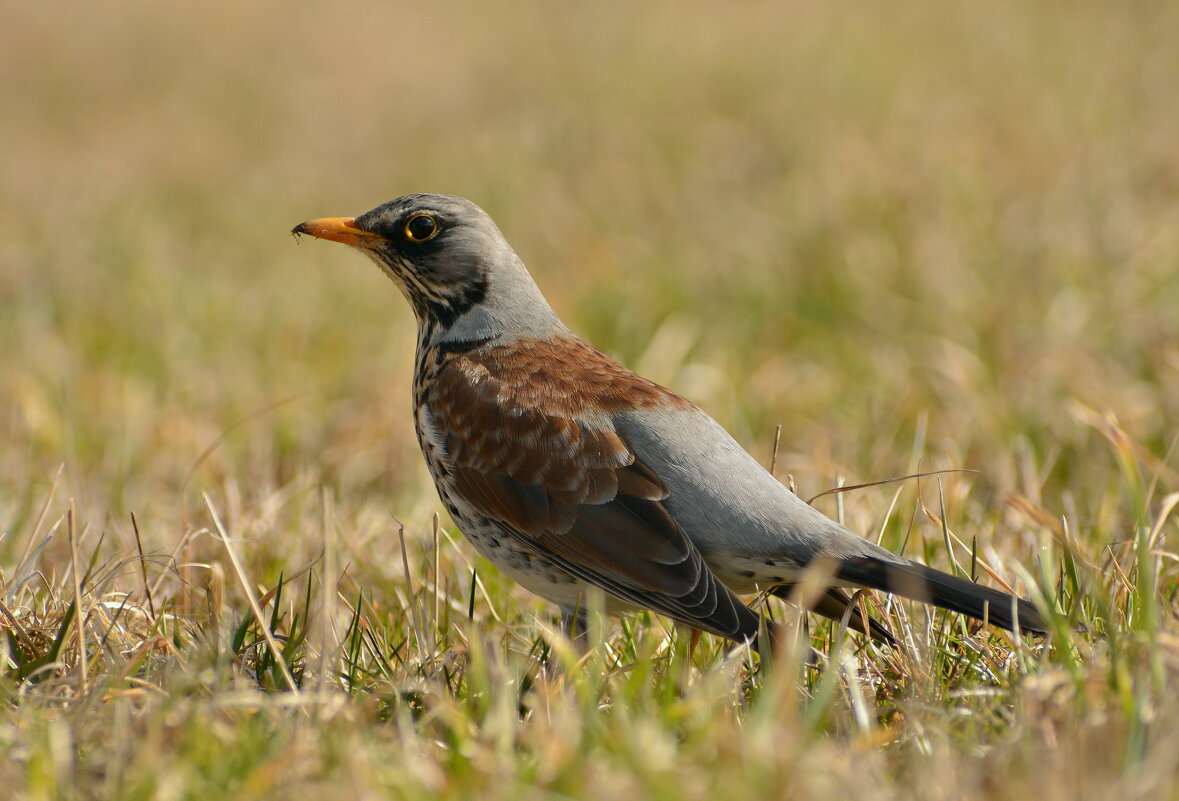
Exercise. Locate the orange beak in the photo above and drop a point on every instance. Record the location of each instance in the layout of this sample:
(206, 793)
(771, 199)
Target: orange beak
(338, 229)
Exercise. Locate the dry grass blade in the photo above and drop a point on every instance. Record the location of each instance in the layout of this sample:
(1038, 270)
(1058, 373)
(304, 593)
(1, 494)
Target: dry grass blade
(329, 642)
(143, 566)
(248, 590)
(40, 521)
(850, 487)
(415, 612)
(80, 614)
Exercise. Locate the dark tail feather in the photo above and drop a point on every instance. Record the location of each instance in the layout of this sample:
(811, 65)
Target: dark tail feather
(925, 584)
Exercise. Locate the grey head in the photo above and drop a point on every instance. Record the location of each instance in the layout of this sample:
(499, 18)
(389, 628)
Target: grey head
(451, 262)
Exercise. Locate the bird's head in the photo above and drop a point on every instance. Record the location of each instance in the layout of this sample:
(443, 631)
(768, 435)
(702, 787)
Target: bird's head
(445, 254)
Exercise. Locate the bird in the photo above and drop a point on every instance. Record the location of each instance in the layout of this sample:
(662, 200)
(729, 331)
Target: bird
(581, 479)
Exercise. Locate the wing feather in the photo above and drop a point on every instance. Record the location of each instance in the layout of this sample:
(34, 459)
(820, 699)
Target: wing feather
(568, 482)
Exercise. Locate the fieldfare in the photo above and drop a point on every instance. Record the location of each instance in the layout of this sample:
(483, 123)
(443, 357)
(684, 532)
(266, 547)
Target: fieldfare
(570, 473)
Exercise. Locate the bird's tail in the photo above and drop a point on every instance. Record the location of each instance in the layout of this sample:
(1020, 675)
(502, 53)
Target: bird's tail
(922, 583)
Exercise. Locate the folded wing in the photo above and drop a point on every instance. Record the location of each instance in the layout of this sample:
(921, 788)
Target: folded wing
(575, 490)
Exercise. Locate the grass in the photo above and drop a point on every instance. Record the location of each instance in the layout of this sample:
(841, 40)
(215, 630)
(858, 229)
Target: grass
(917, 238)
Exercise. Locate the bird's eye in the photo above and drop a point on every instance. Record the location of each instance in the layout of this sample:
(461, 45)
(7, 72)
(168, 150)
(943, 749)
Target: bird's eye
(421, 228)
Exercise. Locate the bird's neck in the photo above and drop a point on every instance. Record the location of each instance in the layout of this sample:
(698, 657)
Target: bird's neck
(511, 307)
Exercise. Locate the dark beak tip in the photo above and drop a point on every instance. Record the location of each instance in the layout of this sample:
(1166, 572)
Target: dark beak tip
(301, 228)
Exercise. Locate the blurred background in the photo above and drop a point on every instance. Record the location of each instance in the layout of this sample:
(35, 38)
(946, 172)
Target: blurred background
(913, 235)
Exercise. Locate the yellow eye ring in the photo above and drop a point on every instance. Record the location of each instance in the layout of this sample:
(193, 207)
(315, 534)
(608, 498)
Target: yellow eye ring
(421, 228)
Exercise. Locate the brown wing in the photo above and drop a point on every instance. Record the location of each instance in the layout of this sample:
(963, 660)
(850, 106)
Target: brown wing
(551, 467)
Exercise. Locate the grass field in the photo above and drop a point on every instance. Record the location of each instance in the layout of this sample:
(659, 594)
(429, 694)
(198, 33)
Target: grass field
(916, 237)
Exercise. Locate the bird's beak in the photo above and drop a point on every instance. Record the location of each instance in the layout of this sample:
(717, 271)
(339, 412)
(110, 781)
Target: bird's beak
(338, 229)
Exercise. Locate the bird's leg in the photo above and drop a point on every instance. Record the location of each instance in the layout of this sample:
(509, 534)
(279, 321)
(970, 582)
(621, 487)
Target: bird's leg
(692, 643)
(575, 626)
(575, 629)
